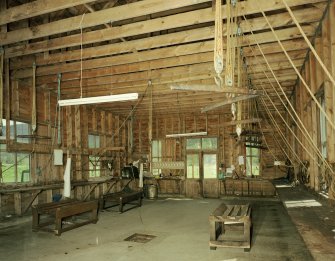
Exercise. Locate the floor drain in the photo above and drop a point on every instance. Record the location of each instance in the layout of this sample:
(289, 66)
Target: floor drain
(140, 238)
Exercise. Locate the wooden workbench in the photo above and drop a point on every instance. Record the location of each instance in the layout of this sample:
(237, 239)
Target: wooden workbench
(230, 226)
(51, 216)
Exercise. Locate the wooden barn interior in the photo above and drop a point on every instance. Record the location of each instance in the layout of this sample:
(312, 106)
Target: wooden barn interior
(196, 112)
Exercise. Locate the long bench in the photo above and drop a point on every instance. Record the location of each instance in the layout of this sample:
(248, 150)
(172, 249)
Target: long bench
(120, 199)
(230, 226)
(51, 216)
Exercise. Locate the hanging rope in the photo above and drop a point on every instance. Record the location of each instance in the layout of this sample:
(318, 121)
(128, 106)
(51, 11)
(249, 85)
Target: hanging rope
(1, 87)
(303, 129)
(218, 44)
(298, 73)
(33, 114)
(81, 56)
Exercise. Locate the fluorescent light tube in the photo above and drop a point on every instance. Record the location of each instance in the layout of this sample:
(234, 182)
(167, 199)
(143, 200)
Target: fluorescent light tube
(99, 99)
(176, 135)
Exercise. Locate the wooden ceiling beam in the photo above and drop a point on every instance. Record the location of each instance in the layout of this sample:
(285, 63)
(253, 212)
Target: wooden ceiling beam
(159, 53)
(37, 8)
(118, 13)
(179, 65)
(143, 27)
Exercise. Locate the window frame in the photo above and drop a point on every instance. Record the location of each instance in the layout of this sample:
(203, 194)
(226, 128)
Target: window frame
(157, 158)
(249, 159)
(18, 177)
(94, 164)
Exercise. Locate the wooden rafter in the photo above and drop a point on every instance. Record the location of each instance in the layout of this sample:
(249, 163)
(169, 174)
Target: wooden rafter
(36, 8)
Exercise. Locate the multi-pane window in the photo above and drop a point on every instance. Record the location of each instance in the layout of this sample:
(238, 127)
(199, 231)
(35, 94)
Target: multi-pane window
(156, 154)
(201, 152)
(252, 159)
(94, 161)
(15, 166)
(193, 166)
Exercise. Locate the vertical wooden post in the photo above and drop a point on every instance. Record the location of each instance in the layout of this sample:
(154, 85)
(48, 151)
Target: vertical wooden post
(328, 87)
(7, 100)
(103, 132)
(33, 110)
(18, 203)
(78, 142)
(312, 119)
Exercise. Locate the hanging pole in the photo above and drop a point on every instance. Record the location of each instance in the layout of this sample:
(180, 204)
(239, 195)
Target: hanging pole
(229, 101)
(150, 123)
(1, 87)
(59, 138)
(33, 114)
(218, 43)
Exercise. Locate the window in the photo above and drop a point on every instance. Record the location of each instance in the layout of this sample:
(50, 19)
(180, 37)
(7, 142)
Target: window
(323, 130)
(193, 144)
(209, 143)
(209, 163)
(94, 161)
(15, 166)
(17, 131)
(252, 159)
(193, 164)
(156, 154)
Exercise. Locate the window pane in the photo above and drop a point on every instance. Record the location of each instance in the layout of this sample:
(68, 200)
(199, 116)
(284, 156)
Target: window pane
(156, 149)
(93, 141)
(209, 143)
(23, 167)
(210, 169)
(193, 144)
(8, 167)
(193, 166)
(4, 129)
(248, 162)
(94, 166)
(22, 129)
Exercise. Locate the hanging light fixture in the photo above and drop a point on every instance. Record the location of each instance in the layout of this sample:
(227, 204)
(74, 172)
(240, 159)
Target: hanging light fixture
(99, 99)
(177, 135)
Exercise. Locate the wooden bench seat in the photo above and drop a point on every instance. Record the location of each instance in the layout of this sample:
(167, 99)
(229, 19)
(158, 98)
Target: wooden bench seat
(230, 226)
(120, 199)
(50, 216)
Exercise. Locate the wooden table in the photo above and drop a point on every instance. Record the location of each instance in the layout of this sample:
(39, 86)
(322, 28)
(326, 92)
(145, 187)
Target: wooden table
(230, 226)
(54, 214)
(120, 199)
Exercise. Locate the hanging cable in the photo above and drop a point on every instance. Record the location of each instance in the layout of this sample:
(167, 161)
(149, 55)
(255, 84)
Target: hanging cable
(81, 56)
(218, 44)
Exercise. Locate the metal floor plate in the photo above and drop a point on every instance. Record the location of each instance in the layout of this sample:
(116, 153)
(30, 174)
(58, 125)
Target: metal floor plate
(140, 238)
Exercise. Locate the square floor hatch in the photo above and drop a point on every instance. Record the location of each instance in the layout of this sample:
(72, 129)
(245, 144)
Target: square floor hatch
(140, 238)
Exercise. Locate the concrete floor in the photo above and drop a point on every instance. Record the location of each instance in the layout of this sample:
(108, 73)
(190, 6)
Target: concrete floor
(181, 228)
(314, 219)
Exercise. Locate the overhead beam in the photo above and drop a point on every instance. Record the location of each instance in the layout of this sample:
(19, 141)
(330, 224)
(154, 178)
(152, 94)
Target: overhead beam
(164, 23)
(158, 53)
(93, 19)
(36, 8)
